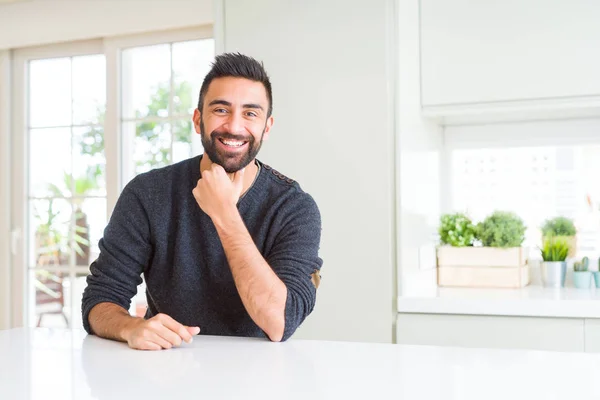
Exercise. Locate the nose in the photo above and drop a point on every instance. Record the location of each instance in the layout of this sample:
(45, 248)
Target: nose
(235, 123)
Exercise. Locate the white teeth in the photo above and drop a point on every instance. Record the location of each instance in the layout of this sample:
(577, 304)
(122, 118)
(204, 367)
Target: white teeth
(232, 143)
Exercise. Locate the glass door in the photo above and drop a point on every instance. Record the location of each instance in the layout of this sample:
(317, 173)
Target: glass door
(66, 185)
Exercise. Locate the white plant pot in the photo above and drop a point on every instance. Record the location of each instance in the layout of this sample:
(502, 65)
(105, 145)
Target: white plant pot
(554, 273)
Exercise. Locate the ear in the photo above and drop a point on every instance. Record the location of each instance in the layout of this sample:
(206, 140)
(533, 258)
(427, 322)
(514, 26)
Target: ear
(268, 126)
(196, 119)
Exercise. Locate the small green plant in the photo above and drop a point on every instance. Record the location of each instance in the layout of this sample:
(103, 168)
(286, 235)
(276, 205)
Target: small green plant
(501, 229)
(559, 226)
(456, 230)
(555, 248)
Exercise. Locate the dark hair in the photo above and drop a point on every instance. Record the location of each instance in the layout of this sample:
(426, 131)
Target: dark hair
(237, 65)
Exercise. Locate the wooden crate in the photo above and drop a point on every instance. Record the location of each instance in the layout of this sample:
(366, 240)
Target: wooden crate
(482, 267)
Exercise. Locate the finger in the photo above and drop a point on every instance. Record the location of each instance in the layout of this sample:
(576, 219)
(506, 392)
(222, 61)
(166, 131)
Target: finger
(160, 339)
(172, 337)
(149, 346)
(176, 327)
(217, 168)
(142, 343)
(193, 330)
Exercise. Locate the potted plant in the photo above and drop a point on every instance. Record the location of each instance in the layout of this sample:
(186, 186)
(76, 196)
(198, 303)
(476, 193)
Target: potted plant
(582, 277)
(597, 275)
(456, 230)
(554, 266)
(564, 227)
(499, 262)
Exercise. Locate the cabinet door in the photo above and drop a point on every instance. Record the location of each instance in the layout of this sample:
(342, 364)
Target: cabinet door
(592, 335)
(558, 334)
(496, 51)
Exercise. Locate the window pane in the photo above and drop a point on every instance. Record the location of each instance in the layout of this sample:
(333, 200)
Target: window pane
(89, 162)
(89, 89)
(90, 221)
(537, 183)
(51, 298)
(49, 161)
(146, 75)
(184, 138)
(49, 222)
(191, 63)
(50, 92)
(151, 146)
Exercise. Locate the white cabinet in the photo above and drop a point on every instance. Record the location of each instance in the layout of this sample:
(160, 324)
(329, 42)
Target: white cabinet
(484, 331)
(592, 335)
(490, 51)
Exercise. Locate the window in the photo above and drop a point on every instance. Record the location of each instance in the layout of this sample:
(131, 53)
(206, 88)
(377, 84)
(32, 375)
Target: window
(160, 86)
(66, 188)
(94, 114)
(537, 183)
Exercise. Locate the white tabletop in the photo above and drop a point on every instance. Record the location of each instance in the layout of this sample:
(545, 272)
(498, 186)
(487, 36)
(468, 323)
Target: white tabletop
(62, 364)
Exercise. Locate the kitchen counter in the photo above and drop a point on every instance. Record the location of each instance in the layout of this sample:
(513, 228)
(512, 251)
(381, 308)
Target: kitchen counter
(64, 364)
(532, 301)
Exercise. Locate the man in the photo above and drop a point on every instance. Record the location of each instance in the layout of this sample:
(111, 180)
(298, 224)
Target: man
(227, 245)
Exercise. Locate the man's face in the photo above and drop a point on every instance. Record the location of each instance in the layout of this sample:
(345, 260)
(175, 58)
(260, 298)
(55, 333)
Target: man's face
(233, 122)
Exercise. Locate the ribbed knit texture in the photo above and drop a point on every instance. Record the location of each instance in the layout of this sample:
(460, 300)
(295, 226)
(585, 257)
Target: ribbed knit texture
(157, 229)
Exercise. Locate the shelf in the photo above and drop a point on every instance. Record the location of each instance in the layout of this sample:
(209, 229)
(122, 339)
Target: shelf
(514, 111)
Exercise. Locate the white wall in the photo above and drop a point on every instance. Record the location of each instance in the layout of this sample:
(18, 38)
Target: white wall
(330, 64)
(37, 22)
(421, 156)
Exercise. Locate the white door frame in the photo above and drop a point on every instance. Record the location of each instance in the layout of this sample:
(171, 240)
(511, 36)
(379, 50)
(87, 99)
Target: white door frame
(5, 231)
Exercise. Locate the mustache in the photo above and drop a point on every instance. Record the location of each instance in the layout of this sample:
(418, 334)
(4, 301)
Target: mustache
(229, 136)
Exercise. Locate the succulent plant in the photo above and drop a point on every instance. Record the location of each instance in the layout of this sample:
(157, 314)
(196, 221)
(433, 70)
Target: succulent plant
(581, 266)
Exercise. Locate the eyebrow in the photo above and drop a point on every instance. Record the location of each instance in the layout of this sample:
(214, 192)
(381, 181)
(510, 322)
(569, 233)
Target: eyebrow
(228, 104)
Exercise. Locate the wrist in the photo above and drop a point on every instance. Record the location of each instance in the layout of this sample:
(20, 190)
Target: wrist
(129, 325)
(228, 216)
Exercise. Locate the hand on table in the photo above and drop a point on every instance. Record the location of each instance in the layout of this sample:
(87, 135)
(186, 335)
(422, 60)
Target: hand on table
(159, 332)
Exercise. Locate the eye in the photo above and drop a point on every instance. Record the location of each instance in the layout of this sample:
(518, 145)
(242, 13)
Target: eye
(220, 110)
(251, 114)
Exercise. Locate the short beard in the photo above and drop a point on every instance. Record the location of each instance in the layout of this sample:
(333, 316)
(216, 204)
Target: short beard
(229, 164)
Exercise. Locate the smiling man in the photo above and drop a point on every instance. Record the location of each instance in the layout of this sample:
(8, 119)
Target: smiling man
(226, 244)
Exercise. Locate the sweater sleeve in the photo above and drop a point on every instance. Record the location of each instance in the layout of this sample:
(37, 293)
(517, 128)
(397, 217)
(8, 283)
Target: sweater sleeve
(125, 250)
(295, 258)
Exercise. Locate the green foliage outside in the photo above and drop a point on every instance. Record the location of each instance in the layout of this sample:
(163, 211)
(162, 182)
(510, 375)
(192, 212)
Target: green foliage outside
(51, 238)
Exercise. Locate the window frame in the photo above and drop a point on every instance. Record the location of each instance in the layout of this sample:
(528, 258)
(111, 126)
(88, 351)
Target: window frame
(5, 179)
(15, 121)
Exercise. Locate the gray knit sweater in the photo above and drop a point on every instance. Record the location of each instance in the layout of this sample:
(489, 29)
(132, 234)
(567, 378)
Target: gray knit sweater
(157, 229)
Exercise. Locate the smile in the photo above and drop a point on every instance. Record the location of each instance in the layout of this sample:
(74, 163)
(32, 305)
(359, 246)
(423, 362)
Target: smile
(232, 143)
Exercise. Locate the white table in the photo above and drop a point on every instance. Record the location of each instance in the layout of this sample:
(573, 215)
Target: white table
(63, 364)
